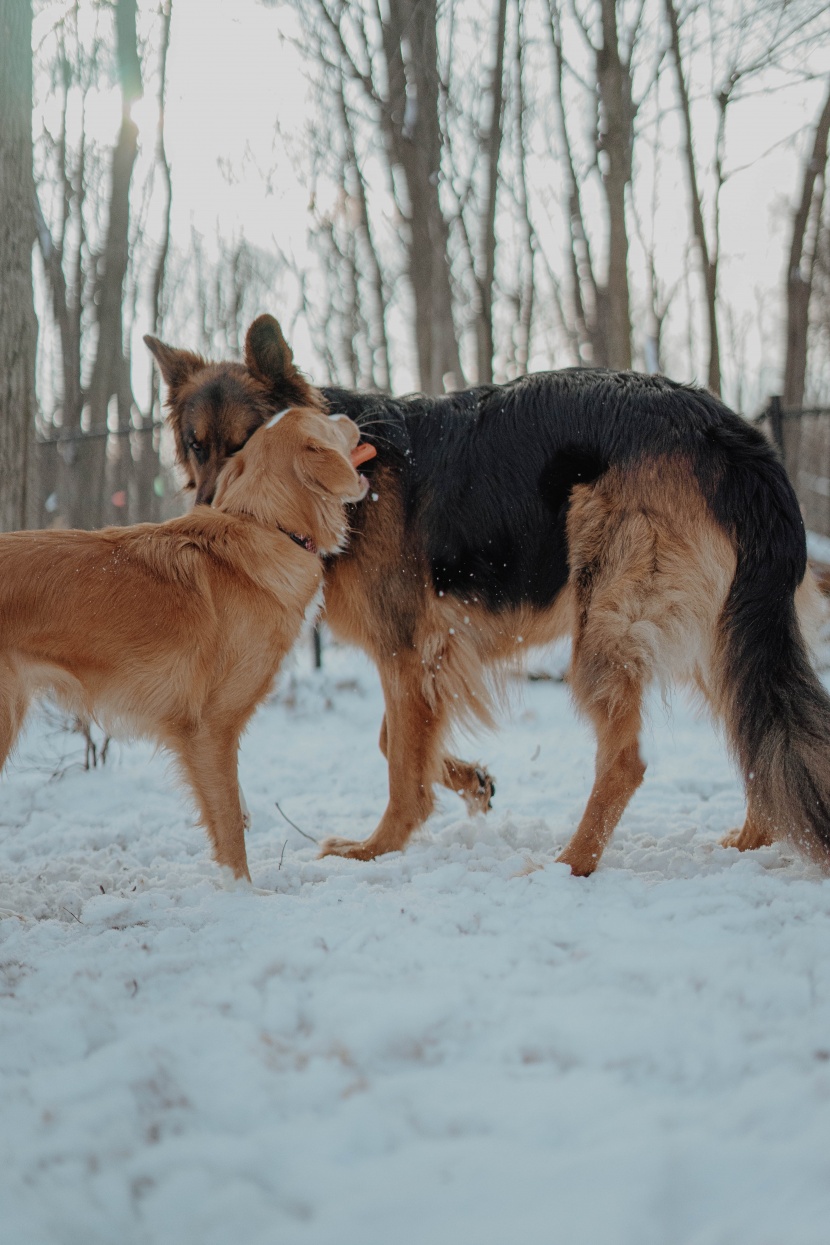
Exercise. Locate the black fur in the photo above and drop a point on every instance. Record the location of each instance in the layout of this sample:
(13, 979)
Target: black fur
(486, 476)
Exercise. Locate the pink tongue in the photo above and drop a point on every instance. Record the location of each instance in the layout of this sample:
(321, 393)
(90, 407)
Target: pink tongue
(362, 453)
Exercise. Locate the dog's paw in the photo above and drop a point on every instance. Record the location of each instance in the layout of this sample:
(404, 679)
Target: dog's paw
(747, 839)
(229, 881)
(580, 865)
(351, 849)
(479, 791)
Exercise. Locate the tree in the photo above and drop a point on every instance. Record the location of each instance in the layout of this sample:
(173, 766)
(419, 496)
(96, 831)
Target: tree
(764, 37)
(801, 266)
(92, 250)
(18, 326)
(599, 315)
(391, 56)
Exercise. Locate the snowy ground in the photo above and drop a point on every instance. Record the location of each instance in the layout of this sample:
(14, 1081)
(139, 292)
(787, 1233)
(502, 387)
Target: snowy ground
(450, 1046)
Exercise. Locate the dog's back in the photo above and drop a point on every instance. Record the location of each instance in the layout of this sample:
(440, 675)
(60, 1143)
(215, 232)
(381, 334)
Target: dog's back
(138, 625)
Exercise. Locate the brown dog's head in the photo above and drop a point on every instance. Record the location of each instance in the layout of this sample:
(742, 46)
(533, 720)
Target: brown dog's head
(296, 474)
(213, 408)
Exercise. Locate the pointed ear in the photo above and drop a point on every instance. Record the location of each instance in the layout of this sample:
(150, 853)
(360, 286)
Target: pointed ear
(267, 353)
(174, 365)
(233, 469)
(326, 471)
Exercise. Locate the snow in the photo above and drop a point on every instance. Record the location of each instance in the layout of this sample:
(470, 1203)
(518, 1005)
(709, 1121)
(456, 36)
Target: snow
(457, 1044)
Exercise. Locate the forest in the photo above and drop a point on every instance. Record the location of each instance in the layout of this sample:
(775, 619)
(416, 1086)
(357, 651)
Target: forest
(427, 193)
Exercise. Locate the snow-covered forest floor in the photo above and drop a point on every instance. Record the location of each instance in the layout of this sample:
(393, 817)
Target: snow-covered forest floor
(458, 1044)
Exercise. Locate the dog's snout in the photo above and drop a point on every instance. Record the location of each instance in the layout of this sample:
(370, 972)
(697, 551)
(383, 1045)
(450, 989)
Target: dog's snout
(206, 490)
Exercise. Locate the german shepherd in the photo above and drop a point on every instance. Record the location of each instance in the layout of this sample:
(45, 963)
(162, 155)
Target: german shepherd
(175, 630)
(639, 516)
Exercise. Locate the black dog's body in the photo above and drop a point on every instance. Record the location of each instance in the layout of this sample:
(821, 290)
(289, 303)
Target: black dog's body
(486, 475)
(640, 516)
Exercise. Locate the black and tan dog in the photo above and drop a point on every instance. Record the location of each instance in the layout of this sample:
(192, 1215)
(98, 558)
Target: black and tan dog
(639, 516)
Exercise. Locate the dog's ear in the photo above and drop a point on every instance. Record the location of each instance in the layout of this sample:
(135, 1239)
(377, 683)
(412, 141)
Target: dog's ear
(326, 471)
(267, 353)
(230, 473)
(269, 359)
(174, 365)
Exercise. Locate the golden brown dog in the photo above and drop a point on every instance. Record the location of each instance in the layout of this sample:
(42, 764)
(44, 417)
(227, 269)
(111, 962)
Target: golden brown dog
(175, 631)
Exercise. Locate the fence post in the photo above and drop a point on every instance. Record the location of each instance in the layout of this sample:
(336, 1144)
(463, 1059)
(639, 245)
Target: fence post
(776, 424)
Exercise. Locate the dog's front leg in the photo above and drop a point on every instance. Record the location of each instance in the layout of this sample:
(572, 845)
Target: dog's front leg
(411, 740)
(209, 758)
(471, 781)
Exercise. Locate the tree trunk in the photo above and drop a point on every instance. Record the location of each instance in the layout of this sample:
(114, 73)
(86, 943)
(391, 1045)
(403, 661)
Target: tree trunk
(413, 131)
(708, 260)
(492, 146)
(616, 130)
(110, 373)
(585, 325)
(18, 325)
(806, 227)
(146, 505)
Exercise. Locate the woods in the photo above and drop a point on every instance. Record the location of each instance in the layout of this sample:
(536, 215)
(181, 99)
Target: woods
(454, 194)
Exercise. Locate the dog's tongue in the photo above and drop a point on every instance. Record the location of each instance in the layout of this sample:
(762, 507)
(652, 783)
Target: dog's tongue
(362, 453)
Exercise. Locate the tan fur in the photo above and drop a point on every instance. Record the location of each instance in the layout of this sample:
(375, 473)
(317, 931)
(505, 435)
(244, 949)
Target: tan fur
(175, 631)
(646, 589)
(450, 672)
(649, 581)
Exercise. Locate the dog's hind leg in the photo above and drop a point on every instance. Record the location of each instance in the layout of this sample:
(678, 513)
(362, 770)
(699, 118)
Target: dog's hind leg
(208, 756)
(614, 556)
(13, 705)
(650, 572)
(752, 835)
(412, 739)
(473, 783)
(614, 706)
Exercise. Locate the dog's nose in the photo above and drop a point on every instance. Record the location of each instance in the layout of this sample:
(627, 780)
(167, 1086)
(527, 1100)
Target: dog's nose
(205, 491)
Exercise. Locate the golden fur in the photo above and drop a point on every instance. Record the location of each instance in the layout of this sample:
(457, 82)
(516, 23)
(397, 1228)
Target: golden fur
(175, 631)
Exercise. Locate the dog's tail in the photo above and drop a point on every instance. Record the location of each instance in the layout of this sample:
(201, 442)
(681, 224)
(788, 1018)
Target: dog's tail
(777, 712)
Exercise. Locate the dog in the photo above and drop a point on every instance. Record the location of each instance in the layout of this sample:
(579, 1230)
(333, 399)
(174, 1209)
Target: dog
(175, 631)
(638, 516)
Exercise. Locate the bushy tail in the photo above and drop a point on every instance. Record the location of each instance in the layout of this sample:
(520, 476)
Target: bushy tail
(776, 710)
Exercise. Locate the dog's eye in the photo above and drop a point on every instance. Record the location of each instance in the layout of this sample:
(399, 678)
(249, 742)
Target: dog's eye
(197, 449)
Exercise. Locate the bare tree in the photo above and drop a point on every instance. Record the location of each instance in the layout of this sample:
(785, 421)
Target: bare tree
(600, 307)
(390, 56)
(110, 377)
(741, 42)
(616, 138)
(708, 251)
(88, 217)
(148, 474)
(18, 326)
(804, 246)
(486, 269)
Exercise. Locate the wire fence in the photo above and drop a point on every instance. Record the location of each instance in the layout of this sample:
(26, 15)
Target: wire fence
(89, 479)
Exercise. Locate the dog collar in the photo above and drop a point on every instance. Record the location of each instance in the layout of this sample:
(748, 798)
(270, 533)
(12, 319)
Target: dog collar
(305, 542)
